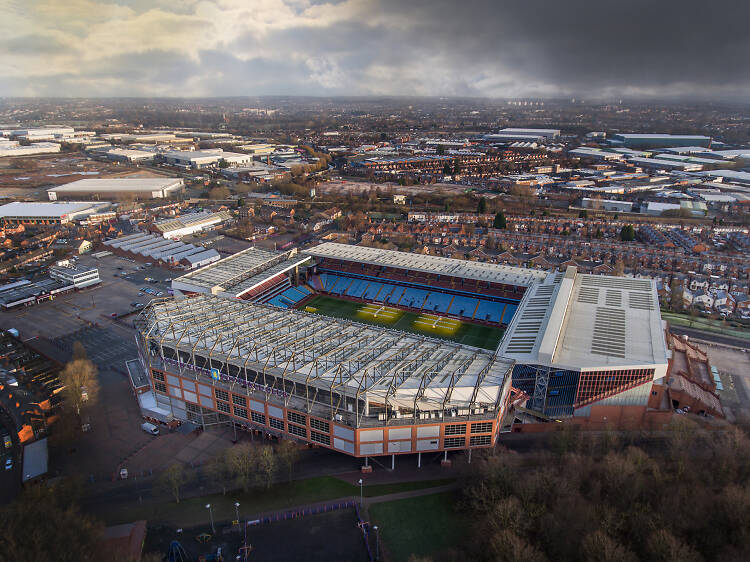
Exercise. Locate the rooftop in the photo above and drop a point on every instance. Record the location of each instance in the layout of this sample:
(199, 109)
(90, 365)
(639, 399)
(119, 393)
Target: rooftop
(119, 184)
(45, 209)
(580, 321)
(238, 272)
(372, 363)
(430, 264)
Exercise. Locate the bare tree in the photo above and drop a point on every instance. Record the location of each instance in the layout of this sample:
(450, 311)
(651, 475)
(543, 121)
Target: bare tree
(288, 454)
(81, 386)
(218, 471)
(173, 479)
(241, 462)
(266, 465)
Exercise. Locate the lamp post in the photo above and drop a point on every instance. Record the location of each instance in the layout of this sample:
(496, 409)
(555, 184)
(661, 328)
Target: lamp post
(237, 512)
(211, 515)
(377, 543)
(360, 492)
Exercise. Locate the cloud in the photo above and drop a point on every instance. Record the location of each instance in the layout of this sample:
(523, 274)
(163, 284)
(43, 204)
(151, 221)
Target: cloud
(495, 48)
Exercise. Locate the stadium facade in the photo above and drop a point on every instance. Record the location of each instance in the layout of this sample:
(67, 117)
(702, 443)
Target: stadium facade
(238, 344)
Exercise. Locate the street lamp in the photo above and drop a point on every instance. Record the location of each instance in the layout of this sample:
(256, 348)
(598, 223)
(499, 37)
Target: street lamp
(377, 543)
(211, 515)
(360, 492)
(237, 512)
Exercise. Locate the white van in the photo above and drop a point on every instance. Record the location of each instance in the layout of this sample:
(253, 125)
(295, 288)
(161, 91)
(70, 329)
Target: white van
(150, 428)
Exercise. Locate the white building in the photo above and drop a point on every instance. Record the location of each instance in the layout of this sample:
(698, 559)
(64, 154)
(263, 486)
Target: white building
(76, 275)
(205, 158)
(137, 187)
(14, 149)
(42, 133)
(19, 212)
(190, 223)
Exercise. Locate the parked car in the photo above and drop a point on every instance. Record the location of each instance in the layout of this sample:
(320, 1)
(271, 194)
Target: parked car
(8, 463)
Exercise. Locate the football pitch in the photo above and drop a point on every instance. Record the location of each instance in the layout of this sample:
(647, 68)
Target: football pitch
(423, 323)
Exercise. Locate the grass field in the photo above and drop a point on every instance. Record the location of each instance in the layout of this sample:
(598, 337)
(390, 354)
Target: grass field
(418, 323)
(426, 526)
(705, 324)
(192, 511)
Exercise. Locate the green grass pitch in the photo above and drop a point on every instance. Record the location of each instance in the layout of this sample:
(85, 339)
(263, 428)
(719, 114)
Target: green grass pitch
(427, 324)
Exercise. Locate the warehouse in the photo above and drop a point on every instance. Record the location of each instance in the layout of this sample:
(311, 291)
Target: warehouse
(111, 188)
(198, 159)
(48, 213)
(156, 248)
(190, 223)
(644, 140)
(12, 148)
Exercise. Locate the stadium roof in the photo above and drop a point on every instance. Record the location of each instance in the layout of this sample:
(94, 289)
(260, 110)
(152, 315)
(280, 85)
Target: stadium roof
(119, 184)
(370, 363)
(579, 321)
(430, 264)
(239, 272)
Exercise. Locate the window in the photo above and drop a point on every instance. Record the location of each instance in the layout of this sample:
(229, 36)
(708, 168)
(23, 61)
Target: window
(240, 412)
(450, 442)
(455, 429)
(320, 438)
(221, 395)
(194, 408)
(160, 387)
(222, 407)
(259, 418)
(294, 417)
(239, 400)
(477, 440)
(276, 424)
(158, 376)
(320, 425)
(297, 430)
(481, 427)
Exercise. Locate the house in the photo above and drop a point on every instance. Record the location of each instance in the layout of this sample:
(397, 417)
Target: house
(703, 299)
(724, 302)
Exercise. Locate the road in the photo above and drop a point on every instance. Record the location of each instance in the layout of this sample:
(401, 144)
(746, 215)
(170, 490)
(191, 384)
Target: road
(711, 337)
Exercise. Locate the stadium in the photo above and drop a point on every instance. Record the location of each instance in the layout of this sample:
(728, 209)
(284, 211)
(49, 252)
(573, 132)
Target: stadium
(375, 352)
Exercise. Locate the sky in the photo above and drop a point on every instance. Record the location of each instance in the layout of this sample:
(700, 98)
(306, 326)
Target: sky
(592, 49)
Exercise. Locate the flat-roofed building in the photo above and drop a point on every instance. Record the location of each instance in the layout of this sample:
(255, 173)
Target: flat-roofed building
(110, 188)
(658, 140)
(11, 149)
(19, 212)
(76, 275)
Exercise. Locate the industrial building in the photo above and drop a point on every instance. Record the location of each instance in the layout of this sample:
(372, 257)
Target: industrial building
(645, 140)
(156, 248)
(198, 159)
(49, 213)
(42, 133)
(128, 155)
(112, 188)
(190, 223)
(14, 148)
(582, 348)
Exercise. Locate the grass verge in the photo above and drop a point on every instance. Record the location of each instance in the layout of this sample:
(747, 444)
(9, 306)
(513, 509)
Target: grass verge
(423, 526)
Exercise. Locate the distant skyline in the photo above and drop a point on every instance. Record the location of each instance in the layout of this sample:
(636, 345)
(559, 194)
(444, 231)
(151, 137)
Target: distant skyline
(663, 49)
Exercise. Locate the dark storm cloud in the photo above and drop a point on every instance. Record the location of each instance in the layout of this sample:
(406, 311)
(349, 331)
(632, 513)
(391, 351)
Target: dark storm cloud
(582, 45)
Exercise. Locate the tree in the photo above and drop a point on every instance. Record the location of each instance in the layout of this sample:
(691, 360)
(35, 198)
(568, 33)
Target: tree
(242, 463)
(81, 386)
(627, 234)
(45, 524)
(482, 206)
(288, 454)
(219, 192)
(266, 465)
(619, 269)
(172, 480)
(217, 471)
(500, 221)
